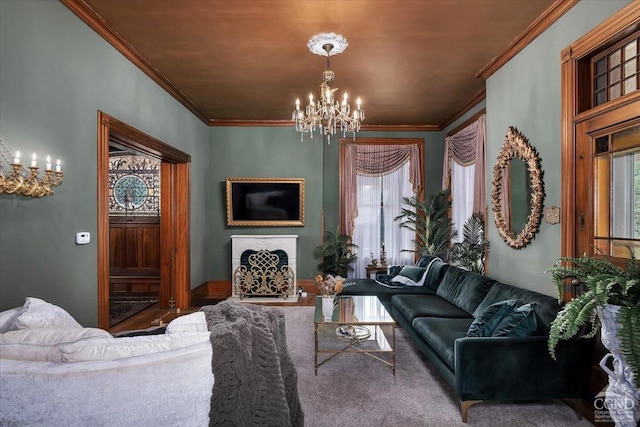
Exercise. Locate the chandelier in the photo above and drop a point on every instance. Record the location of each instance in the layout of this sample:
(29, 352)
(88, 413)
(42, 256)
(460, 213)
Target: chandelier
(328, 115)
(26, 182)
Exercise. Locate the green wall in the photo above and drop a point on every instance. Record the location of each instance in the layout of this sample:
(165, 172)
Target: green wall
(278, 152)
(525, 93)
(55, 74)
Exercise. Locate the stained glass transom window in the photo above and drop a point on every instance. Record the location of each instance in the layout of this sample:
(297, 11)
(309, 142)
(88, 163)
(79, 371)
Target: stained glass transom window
(134, 185)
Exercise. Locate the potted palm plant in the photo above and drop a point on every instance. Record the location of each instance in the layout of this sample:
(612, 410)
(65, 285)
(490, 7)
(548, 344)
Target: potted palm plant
(610, 302)
(430, 221)
(471, 251)
(335, 254)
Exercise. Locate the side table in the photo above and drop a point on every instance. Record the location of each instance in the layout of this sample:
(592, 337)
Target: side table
(375, 269)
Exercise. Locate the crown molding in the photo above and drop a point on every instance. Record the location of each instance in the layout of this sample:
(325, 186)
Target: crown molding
(289, 123)
(479, 97)
(537, 27)
(400, 128)
(250, 123)
(95, 21)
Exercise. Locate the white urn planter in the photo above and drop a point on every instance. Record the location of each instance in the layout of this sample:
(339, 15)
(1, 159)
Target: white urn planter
(622, 398)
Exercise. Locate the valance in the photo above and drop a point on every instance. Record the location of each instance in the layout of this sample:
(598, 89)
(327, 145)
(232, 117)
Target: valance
(467, 147)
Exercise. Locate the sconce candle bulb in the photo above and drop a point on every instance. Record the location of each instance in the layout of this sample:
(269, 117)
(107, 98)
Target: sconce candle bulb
(24, 182)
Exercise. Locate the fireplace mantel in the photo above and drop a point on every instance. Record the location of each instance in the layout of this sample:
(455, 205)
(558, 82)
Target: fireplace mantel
(256, 242)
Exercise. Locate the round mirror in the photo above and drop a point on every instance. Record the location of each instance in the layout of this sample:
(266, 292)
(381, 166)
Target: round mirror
(518, 190)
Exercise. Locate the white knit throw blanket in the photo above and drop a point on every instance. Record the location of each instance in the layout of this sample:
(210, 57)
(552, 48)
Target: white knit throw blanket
(256, 383)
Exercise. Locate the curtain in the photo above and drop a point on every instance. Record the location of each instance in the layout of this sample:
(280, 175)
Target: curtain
(390, 188)
(373, 160)
(466, 148)
(462, 179)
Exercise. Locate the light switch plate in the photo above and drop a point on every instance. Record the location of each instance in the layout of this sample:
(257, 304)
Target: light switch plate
(552, 215)
(83, 237)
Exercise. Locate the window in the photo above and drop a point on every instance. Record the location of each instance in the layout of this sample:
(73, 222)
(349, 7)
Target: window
(375, 174)
(616, 71)
(464, 171)
(375, 230)
(617, 193)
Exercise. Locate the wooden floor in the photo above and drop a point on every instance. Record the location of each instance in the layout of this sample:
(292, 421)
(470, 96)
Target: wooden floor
(154, 315)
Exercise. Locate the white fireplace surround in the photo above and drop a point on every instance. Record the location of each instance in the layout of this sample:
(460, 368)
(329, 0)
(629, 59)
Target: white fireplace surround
(257, 242)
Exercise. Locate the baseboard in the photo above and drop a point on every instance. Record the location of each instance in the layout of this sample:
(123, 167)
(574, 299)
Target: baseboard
(221, 289)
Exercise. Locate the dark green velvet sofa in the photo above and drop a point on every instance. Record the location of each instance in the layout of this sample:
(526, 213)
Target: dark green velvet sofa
(437, 316)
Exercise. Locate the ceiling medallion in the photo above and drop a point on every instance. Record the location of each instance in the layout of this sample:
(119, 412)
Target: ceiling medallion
(327, 115)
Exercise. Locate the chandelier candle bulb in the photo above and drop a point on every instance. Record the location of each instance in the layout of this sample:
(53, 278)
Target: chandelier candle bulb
(33, 161)
(16, 159)
(48, 163)
(58, 167)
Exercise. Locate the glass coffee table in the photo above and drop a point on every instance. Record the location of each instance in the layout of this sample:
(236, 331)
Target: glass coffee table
(359, 324)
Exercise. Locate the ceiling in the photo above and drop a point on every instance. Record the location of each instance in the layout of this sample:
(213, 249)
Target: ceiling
(414, 63)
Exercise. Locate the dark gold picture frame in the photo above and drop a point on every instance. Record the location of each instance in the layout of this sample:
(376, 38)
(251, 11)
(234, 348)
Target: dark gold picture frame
(265, 202)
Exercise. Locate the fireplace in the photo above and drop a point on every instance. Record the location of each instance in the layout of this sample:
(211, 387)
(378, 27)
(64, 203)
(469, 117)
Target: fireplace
(264, 268)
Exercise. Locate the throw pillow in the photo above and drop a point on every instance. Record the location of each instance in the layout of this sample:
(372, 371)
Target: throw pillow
(486, 322)
(41, 314)
(521, 322)
(8, 319)
(411, 276)
(120, 348)
(394, 270)
(194, 322)
(44, 344)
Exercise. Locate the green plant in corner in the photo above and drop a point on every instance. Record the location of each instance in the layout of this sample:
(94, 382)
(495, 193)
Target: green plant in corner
(470, 253)
(430, 221)
(336, 254)
(604, 285)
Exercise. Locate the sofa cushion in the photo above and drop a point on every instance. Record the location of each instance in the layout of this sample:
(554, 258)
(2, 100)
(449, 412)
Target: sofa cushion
(546, 307)
(38, 313)
(44, 344)
(521, 322)
(412, 306)
(8, 319)
(435, 272)
(411, 276)
(463, 288)
(486, 322)
(425, 260)
(440, 334)
(120, 348)
(193, 322)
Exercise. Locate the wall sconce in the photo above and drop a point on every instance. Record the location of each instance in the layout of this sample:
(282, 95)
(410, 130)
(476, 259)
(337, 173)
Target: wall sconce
(26, 182)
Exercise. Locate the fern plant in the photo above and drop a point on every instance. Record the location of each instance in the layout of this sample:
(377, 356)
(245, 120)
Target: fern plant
(471, 251)
(604, 283)
(429, 220)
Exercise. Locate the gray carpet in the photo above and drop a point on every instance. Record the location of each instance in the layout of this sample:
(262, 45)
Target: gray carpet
(354, 390)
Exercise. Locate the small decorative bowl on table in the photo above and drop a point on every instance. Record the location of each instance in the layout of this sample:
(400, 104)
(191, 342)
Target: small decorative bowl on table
(352, 334)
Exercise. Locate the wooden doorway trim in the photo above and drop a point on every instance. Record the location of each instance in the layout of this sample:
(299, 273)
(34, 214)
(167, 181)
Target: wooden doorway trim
(573, 110)
(174, 212)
